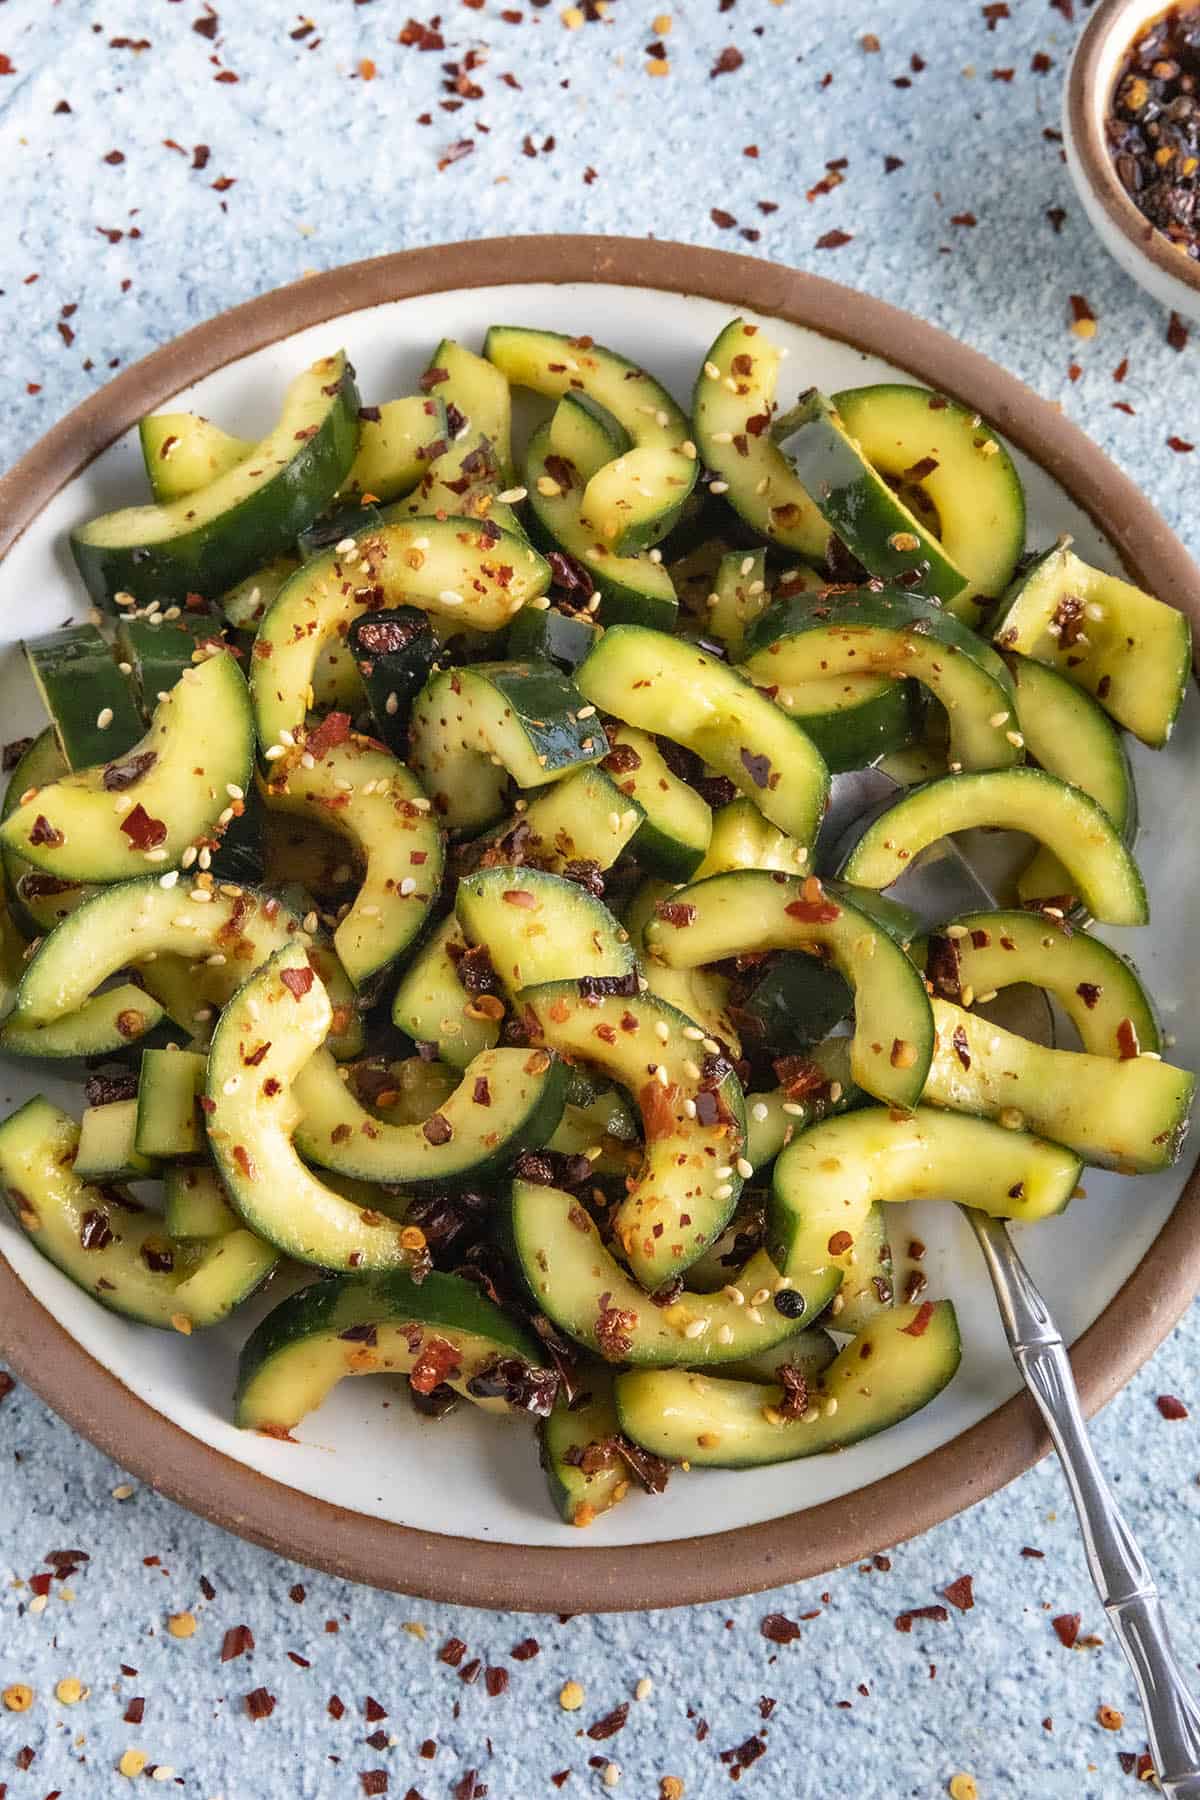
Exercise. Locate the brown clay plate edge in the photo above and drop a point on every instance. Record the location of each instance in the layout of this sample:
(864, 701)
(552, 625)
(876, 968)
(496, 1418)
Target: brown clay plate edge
(476, 1572)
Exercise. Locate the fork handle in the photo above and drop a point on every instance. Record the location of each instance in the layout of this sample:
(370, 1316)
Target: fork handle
(1118, 1568)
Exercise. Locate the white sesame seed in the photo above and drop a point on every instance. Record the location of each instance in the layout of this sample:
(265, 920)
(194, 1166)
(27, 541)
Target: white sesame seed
(273, 752)
(307, 761)
(694, 1033)
(710, 369)
(724, 1192)
(205, 858)
(735, 1294)
(747, 564)
(644, 1688)
(697, 1328)
(712, 1046)
(744, 1168)
(660, 1075)
(689, 1107)
(104, 718)
(189, 856)
(655, 555)
(408, 886)
(793, 1109)
(200, 895)
(722, 437)
(662, 1031)
(125, 668)
(753, 1314)
(512, 496)
(761, 1297)
(234, 791)
(723, 1174)
(169, 879)
(1015, 739)
(759, 1111)
(344, 546)
(725, 1334)
(999, 718)
(286, 737)
(156, 856)
(449, 597)
(718, 487)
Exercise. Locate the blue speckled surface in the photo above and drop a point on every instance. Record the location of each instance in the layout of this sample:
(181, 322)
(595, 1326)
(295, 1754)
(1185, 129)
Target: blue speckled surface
(326, 167)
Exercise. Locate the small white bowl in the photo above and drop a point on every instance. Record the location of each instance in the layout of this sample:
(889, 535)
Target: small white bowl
(1142, 251)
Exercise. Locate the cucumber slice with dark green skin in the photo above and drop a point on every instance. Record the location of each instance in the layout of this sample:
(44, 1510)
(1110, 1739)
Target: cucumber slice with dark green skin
(739, 597)
(397, 442)
(858, 505)
(795, 1004)
(1103, 874)
(743, 839)
(466, 571)
(674, 833)
(442, 1329)
(774, 1116)
(1128, 650)
(395, 651)
(104, 1025)
(368, 796)
(584, 818)
(634, 588)
(141, 922)
(343, 520)
(693, 1119)
(972, 484)
(265, 1035)
(868, 1286)
(174, 787)
(853, 721)
(104, 1241)
(540, 928)
(701, 994)
(38, 901)
(979, 953)
(1129, 1114)
(863, 635)
(473, 728)
(203, 543)
(732, 406)
(184, 453)
(583, 1289)
(633, 505)
(481, 419)
(713, 1423)
(507, 1101)
(582, 1487)
(158, 649)
(551, 635)
(194, 1202)
(659, 683)
(809, 1353)
(1067, 733)
(91, 703)
(754, 910)
(433, 1007)
(244, 604)
(108, 1145)
(170, 1083)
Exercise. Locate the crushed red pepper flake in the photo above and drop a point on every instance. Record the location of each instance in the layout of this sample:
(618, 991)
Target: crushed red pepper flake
(904, 1621)
(1066, 1628)
(727, 62)
(777, 1628)
(1181, 446)
(610, 1724)
(526, 1650)
(961, 1592)
(260, 1704)
(1177, 332)
(236, 1642)
(1170, 1407)
(833, 240)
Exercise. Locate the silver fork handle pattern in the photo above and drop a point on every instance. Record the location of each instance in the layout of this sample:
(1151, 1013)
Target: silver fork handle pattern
(1118, 1568)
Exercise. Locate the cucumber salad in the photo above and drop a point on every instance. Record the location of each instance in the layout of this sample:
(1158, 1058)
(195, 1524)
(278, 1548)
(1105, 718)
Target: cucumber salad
(423, 866)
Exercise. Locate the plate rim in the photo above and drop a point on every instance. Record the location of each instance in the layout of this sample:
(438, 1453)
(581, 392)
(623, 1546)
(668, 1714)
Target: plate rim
(687, 1571)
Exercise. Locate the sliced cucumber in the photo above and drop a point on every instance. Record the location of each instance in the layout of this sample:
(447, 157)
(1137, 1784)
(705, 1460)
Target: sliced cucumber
(693, 1119)
(170, 1083)
(874, 524)
(743, 839)
(442, 1329)
(104, 1241)
(104, 1025)
(864, 635)
(586, 1472)
(195, 1204)
(184, 453)
(394, 651)
(397, 442)
(733, 404)
(582, 819)
(474, 727)
(720, 1424)
(365, 794)
(1128, 1114)
(108, 1145)
(979, 953)
(159, 649)
(247, 601)
(264, 1037)
(632, 502)
(90, 702)
(754, 910)
(1130, 651)
(38, 901)
(539, 928)
(659, 683)
(477, 460)
(433, 1007)
(171, 790)
(809, 1353)
(507, 1101)
(852, 721)
(550, 634)
(203, 543)
(674, 833)
(973, 486)
(739, 597)
(701, 994)
(631, 588)
(1103, 873)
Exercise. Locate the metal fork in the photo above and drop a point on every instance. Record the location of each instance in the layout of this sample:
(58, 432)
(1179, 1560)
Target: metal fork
(1121, 1575)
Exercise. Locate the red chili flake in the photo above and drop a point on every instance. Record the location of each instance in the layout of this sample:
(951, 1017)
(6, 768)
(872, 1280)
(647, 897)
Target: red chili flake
(8, 67)
(1121, 370)
(424, 37)
(237, 1640)
(374, 1781)
(561, 1779)
(437, 1129)
(143, 832)
(135, 1712)
(301, 1662)
(961, 1592)
(1177, 332)
(44, 832)
(1179, 445)
(611, 1723)
(455, 153)
(679, 913)
(469, 1787)
(298, 1592)
(1066, 1628)
(724, 221)
(961, 1049)
(245, 1162)
(334, 729)
(813, 909)
(7, 1384)
(372, 1711)
(114, 157)
(297, 982)
(1170, 1407)
(95, 1232)
(779, 1629)
(526, 1650)
(833, 240)
(1127, 1040)
(1123, 406)
(1028, 1550)
(964, 218)
(730, 59)
(918, 1326)
(742, 1755)
(495, 1680)
(335, 1707)
(226, 75)
(24, 1757)
(260, 1704)
(904, 1621)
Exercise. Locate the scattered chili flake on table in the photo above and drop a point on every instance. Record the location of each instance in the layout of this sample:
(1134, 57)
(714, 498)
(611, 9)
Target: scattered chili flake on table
(7, 1384)
(1066, 1628)
(1180, 445)
(777, 1628)
(833, 240)
(961, 1593)
(904, 1621)
(1170, 1407)
(260, 1704)
(1177, 332)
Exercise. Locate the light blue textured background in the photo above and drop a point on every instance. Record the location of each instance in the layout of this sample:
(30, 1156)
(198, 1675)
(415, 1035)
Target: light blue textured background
(328, 167)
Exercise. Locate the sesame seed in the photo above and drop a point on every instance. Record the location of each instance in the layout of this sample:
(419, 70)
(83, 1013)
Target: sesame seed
(155, 855)
(747, 564)
(662, 1031)
(711, 1045)
(104, 718)
(286, 737)
(1015, 739)
(611, 1775)
(344, 546)
(759, 1111)
(512, 496)
(660, 1075)
(724, 1192)
(169, 879)
(793, 1109)
(697, 1328)
(723, 1174)
(274, 751)
(123, 1491)
(694, 1033)
(744, 1168)
(570, 1696)
(201, 895)
(999, 718)
(450, 597)
(813, 1413)
(718, 487)
(725, 1334)
(234, 791)
(735, 1294)
(753, 1314)
(689, 1107)
(644, 1688)
(125, 668)
(408, 886)
(761, 1297)
(837, 1304)
(655, 555)
(710, 369)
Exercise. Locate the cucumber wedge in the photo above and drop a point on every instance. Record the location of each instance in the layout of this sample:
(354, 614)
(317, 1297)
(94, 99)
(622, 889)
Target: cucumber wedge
(107, 1149)
(701, 994)
(184, 453)
(662, 684)
(673, 835)
(90, 702)
(36, 900)
(194, 1202)
(586, 1473)
(582, 819)
(1103, 874)
(440, 1330)
(538, 927)
(203, 543)
(104, 1025)
(175, 788)
(754, 910)
(397, 442)
(713, 1423)
(104, 1241)
(433, 1007)
(1129, 1114)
